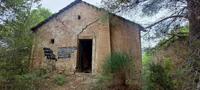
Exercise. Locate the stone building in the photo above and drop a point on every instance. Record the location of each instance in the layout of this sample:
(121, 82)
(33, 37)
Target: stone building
(80, 36)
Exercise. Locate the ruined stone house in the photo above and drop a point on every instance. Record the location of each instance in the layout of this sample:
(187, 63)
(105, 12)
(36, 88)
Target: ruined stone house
(80, 36)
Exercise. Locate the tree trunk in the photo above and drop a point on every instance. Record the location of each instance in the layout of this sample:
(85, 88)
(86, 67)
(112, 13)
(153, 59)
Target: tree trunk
(194, 19)
(194, 34)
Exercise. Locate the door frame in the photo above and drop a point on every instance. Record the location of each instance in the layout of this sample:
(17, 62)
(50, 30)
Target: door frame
(93, 51)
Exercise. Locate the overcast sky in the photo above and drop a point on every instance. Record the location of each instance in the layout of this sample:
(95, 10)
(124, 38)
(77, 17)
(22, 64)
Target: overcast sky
(56, 5)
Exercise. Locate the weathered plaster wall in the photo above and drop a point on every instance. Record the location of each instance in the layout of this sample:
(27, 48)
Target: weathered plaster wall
(125, 37)
(66, 29)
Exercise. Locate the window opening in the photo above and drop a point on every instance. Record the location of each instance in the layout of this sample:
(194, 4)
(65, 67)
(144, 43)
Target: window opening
(52, 41)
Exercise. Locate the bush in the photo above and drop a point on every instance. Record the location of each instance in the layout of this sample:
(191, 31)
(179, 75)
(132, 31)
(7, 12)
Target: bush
(32, 80)
(118, 72)
(60, 79)
(157, 77)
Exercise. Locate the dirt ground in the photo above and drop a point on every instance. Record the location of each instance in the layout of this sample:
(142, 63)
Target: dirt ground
(78, 81)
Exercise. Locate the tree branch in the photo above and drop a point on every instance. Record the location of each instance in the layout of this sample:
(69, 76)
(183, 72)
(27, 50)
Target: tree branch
(177, 16)
(171, 39)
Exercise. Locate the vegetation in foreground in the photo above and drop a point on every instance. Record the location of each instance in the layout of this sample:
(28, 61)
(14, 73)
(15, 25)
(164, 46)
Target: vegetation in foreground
(15, 42)
(60, 79)
(172, 64)
(177, 71)
(118, 73)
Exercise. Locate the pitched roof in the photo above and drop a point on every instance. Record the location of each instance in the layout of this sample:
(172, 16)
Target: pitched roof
(71, 5)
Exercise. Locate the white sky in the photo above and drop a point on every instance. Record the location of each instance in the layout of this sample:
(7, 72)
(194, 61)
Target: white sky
(56, 5)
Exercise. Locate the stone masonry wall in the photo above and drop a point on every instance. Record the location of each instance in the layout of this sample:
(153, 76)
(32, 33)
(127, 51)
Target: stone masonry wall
(66, 29)
(82, 22)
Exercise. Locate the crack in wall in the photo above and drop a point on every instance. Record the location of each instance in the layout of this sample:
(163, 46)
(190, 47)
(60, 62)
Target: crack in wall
(87, 27)
(62, 22)
(76, 69)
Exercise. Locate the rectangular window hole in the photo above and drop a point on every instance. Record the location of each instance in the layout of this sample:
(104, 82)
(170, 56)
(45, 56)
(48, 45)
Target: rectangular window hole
(52, 41)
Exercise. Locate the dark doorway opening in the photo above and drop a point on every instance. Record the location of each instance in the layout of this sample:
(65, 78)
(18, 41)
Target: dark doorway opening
(85, 56)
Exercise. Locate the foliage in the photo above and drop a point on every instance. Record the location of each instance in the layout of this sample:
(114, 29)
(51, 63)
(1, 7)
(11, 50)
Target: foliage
(115, 62)
(39, 14)
(105, 16)
(60, 79)
(118, 71)
(176, 34)
(180, 11)
(146, 58)
(32, 80)
(156, 76)
(11, 9)
(188, 73)
(16, 39)
(178, 31)
(148, 7)
(179, 63)
(181, 69)
(15, 42)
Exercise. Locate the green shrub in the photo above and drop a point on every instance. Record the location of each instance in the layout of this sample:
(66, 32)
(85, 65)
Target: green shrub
(116, 62)
(157, 77)
(118, 71)
(26, 81)
(60, 79)
(31, 80)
